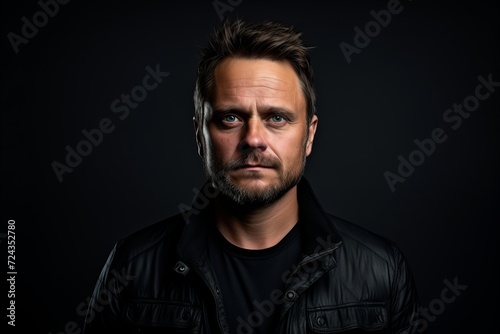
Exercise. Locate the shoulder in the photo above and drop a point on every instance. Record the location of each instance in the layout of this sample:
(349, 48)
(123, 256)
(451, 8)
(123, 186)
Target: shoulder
(361, 241)
(159, 237)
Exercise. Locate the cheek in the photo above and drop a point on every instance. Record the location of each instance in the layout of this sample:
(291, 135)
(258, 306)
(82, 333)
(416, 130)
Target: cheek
(224, 145)
(290, 151)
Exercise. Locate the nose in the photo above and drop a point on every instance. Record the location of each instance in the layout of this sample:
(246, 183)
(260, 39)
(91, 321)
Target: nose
(253, 136)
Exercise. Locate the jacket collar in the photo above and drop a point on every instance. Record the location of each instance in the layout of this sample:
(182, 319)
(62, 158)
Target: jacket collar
(319, 233)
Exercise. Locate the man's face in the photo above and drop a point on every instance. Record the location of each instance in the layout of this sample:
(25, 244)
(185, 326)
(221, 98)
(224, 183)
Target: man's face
(254, 135)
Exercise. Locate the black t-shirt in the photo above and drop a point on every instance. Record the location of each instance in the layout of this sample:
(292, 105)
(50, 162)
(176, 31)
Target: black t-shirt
(252, 281)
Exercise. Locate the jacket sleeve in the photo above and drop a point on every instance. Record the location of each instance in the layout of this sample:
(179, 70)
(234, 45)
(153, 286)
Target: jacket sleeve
(105, 306)
(404, 300)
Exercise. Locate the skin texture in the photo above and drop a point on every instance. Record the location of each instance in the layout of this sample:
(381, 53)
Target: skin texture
(255, 137)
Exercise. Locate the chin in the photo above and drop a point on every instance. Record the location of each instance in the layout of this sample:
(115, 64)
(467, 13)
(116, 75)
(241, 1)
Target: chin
(253, 180)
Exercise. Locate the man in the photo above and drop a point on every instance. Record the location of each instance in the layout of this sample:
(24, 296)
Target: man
(256, 254)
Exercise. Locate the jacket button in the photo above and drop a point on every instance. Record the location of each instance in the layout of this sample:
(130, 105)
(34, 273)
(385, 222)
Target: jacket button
(320, 321)
(181, 268)
(290, 295)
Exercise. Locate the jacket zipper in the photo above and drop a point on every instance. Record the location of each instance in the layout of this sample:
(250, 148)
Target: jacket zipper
(213, 296)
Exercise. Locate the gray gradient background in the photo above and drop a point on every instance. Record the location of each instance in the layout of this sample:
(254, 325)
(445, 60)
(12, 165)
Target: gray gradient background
(444, 217)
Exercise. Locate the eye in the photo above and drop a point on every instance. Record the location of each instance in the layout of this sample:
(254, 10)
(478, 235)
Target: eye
(229, 118)
(277, 118)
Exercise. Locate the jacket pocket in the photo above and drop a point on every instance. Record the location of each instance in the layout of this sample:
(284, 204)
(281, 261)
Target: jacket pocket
(152, 316)
(363, 317)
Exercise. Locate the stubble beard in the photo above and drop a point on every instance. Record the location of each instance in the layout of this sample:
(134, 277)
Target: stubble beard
(251, 199)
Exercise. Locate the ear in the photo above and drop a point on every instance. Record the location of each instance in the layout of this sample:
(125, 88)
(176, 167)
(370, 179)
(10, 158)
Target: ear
(198, 136)
(312, 131)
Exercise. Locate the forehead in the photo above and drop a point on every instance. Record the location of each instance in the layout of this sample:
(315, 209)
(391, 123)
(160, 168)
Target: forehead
(240, 79)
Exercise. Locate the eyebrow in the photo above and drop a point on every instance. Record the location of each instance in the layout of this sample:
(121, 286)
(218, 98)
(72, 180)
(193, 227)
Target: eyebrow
(266, 111)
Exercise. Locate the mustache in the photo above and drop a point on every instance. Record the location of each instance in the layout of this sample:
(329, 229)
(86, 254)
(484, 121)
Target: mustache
(253, 159)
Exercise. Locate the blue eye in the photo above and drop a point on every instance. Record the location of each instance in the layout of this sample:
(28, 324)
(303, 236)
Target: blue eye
(230, 118)
(277, 118)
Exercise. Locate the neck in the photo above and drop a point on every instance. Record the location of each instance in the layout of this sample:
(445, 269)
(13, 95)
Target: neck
(260, 228)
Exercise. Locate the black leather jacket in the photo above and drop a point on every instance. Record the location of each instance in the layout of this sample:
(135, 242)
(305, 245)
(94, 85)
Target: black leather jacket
(349, 280)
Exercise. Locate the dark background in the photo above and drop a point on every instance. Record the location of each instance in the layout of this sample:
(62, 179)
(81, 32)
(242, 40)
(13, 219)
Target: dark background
(444, 216)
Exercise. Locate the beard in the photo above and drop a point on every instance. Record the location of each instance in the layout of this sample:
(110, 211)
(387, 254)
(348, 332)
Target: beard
(256, 198)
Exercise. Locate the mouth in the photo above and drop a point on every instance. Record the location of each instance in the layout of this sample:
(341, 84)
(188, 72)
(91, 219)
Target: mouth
(254, 167)
(253, 164)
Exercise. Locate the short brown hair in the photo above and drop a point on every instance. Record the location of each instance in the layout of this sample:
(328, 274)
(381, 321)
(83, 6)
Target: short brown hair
(261, 40)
